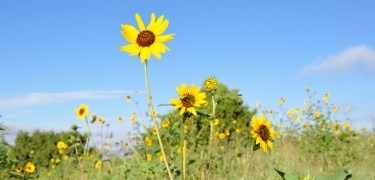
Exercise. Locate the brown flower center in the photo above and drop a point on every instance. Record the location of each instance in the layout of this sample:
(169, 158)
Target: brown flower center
(188, 100)
(81, 111)
(264, 133)
(146, 38)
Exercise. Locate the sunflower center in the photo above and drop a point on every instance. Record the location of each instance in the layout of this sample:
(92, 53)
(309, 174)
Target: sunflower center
(81, 111)
(146, 38)
(264, 132)
(188, 100)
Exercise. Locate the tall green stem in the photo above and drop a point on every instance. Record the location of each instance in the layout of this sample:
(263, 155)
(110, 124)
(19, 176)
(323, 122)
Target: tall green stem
(154, 120)
(248, 165)
(211, 137)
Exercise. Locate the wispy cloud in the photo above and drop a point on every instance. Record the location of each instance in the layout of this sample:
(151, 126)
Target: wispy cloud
(47, 98)
(355, 57)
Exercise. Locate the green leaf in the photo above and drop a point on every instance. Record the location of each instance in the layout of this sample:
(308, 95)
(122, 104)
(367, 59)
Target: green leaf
(286, 176)
(256, 147)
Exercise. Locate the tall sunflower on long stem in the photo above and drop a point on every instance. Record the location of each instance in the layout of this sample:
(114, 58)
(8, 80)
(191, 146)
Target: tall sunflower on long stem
(148, 40)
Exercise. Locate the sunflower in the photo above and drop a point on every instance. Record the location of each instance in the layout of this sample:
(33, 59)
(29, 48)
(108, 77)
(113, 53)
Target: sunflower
(82, 111)
(61, 145)
(30, 168)
(19, 169)
(148, 40)
(165, 123)
(189, 98)
(210, 84)
(101, 120)
(98, 164)
(262, 132)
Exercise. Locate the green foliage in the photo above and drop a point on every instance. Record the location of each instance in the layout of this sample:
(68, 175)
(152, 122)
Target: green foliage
(40, 147)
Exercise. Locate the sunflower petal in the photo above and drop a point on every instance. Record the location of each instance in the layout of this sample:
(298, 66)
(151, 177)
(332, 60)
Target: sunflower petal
(163, 26)
(145, 54)
(155, 26)
(160, 47)
(155, 52)
(152, 21)
(129, 32)
(140, 22)
(132, 49)
(164, 38)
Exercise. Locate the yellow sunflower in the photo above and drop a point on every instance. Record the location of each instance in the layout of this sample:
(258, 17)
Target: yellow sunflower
(101, 120)
(262, 132)
(148, 40)
(82, 111)
(98, 164)
(189, 98)
(210, 84)
(19, 169)
(30, 168)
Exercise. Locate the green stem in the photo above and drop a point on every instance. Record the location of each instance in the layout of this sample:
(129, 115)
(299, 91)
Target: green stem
(182, 147)
(154, 120)
(211, 136)
(248, 165)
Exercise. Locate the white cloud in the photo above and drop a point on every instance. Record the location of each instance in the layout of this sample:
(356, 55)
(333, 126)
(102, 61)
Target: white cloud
(355, 57)
(47, 98)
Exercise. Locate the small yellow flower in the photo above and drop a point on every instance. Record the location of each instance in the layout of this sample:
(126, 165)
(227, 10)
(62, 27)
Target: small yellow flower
(281, 101)
(148, 141)
(30, 168)
(298, 110)
(161, 158)
(154, 131)
(82, 111)
(221, 135)
(61, 151)
(154, 113)
(237, 131)
(19, 169)
(148, 157)
(126, 145)
(222, 148)
(226, 132)
(119, 119)
(216, 122)
(290, 112)
(98, 164)
(148, 40)
(57, 160)
(306, 101)
(101, 120)
(262, 132)
(61, 145)
(65, 157)
(128, 98)
(234, 122)
(165, 123)
(258, 104)
(52, 160)
(346, 125)
(189, 99)
(325, 99)
(80, 158)
(133, 119)
(347, 109)
(317, 114)
(211, 84)
(53, 166)
(335, 108)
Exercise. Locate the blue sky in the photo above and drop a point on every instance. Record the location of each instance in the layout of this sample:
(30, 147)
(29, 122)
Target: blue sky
(57, 55)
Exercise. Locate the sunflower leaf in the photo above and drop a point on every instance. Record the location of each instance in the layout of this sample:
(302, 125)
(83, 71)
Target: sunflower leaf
(286, 176)
(256, 147)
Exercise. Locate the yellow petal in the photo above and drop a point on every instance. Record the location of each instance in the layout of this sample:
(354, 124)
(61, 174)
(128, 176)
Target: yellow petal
(163, 26)
(145, 54)
(155, 52)
(164, 38)
(160, 47)
(156, 25)
(192, 111)
(182, 111)
(140, 22)
(152, 21)
(270, 144)
(269, 124)
(132, 49)
(130, 33)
